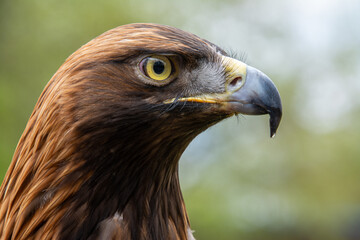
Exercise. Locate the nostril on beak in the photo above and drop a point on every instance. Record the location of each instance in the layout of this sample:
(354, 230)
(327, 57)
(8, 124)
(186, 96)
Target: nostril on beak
(235, 81)
(235, 84)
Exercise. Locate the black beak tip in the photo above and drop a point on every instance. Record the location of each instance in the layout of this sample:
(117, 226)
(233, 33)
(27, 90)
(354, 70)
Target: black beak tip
(275, 118)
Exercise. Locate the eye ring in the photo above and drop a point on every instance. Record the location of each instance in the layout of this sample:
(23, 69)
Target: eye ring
(157, 67)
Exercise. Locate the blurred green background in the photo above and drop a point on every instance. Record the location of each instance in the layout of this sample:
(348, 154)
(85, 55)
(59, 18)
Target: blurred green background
(237, 182)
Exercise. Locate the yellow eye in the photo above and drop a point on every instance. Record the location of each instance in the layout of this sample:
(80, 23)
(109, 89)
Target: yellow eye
(157, 67)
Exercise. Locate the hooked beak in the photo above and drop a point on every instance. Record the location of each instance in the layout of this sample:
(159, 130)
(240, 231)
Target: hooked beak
(247, 91)
(258, 95)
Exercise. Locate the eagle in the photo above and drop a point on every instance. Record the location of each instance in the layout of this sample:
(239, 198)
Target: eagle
(99, 156)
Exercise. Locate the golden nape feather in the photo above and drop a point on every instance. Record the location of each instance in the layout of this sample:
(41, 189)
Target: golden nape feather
(99, 156)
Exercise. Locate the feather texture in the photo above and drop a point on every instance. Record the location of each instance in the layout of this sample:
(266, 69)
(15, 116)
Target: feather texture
(98, 158)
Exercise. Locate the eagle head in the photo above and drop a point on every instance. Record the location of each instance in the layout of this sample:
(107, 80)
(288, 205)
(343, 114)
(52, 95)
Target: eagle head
(99, 156)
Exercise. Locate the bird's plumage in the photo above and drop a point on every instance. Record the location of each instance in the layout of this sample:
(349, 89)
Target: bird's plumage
(98, 158)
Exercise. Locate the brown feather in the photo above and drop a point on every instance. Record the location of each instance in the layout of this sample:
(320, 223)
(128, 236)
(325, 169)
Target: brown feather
(99, 155)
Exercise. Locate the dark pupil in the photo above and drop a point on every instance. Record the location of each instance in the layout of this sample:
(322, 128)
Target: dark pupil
(159, 67)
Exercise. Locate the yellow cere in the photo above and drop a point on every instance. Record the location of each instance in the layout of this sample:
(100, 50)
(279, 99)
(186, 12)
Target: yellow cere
(234, 68)
(207, 98)
(158, 68)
